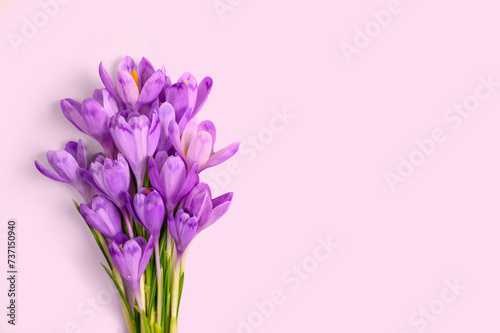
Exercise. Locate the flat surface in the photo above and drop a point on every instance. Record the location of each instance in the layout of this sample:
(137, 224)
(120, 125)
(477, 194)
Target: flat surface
(373, 147)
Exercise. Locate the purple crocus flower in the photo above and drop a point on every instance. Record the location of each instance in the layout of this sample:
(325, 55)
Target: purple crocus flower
(196, 145)
(131, 257)
(199, 202)
(92, 117)
(137, 85)
(111, 178)
(169, 176)
(67, 164)
(182, 227)
(103, 216)
(187, 97)
(136, 136)
(149, 210)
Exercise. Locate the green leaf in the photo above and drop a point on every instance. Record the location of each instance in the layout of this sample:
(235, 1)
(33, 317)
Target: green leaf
(152, 298)
(181, 285)
(166, 299)
(77, 206)
(147, 182)
(122, 295)
(99, 244)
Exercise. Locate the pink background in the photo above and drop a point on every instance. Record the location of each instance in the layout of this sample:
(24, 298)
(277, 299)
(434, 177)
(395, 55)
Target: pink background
(318, 175)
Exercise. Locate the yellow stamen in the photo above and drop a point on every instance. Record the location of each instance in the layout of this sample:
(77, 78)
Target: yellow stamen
(136, 77)
(185, 81)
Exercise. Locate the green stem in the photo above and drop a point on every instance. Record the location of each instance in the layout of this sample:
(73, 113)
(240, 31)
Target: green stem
(175, 295)
(159, 285)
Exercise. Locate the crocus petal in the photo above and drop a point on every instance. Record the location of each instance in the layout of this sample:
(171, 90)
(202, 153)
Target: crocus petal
(120, 239)
(173, 175)
(222, 199)
(78, 151)
(145, 69)
(119, 261)
(192, 179)
(217, 213)
(199, 150)
(154, 134)
(127, 88)
(127, 64)
(154, 213)
(174, 135)
(146, 255)
(109, 214)
(132, 256)
(49, 174)
(209, 127)
(72, 112)
(187, 234)
(199, 203)
(152, 88)
(81, 155)
(103, 97)
(107, 81)
(155, 179)
(97, 121)
(115, 180)
(177, 96)
(139, 207)
(166, 114)
(188, 135)
(172, 224)
(87, 176)
(222, 155)
(203, 90)
(95, 221)
(64, 165)
(122, 135)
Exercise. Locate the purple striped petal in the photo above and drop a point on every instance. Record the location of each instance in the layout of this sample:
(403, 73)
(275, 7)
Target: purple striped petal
(146, 255)
(199, 149)
(72, 112)
(203, 90)
(166, 114)
(152, 88)
(222, 155)
(49, 174)
(127, 64)
(145, 69)
(127, 89)
(107, 81)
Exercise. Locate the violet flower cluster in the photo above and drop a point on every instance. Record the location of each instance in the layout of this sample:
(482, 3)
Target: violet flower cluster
(142, 197)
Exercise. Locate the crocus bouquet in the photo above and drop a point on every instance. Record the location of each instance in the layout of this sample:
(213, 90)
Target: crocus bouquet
(142, 198)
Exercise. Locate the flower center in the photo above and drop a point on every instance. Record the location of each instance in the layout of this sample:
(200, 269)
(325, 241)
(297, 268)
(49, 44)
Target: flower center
(148, 191)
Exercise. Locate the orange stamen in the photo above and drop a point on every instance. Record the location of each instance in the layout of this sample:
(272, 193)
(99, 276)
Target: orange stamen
(136, 77)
